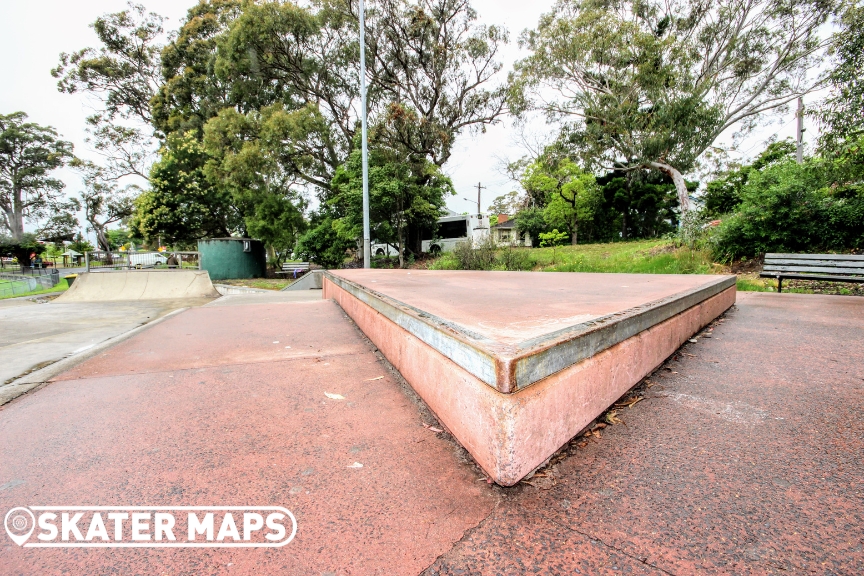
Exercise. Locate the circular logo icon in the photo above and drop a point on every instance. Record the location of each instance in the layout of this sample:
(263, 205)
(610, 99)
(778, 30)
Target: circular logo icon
(19, 523)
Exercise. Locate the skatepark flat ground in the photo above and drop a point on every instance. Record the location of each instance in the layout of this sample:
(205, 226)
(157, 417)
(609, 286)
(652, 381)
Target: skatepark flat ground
(744, 456)
(35, 335)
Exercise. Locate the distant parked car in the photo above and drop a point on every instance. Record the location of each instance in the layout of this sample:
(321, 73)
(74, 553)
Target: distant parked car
(147, 259)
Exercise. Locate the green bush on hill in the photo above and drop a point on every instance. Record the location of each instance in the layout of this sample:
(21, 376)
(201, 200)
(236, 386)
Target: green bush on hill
(791, 207)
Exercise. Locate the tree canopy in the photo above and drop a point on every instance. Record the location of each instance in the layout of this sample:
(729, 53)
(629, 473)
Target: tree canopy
(29, 154)
(841, 114)
(651, 85)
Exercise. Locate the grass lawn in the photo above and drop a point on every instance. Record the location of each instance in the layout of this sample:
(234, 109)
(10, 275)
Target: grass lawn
(260, 283)
(641, 256)
(638, 257)
(60, 287)
(654, 257)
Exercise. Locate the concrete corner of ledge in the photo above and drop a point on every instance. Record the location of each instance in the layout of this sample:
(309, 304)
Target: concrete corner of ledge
(513, 394)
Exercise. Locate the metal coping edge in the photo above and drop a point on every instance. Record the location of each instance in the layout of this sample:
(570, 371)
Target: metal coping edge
(557, 351)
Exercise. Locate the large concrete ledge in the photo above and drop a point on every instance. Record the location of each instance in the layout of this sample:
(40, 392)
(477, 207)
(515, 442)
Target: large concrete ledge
(514, 382)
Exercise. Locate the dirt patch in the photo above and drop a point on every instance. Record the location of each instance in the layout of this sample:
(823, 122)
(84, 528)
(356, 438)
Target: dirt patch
(669, 248)
(816, 287)
(747, 266)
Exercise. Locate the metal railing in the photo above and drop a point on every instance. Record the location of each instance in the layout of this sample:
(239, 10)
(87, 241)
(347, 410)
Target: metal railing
(109, 261)
(19, 284)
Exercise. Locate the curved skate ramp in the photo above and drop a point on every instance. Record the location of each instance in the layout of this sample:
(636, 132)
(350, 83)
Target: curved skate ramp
(140, 285)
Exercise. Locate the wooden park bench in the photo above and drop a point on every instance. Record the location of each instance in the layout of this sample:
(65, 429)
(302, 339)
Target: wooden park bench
(295, 268)
(823, 267)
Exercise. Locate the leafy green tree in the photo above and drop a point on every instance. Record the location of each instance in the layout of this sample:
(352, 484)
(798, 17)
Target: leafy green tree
(123, 73)
(182, 206)
(21, 248)
(723, 195)
(29, 153)
(119, 237)
(81, 244)
(637, 204)
(404, 193)
(841, 114)
(531, 221)
(571, 195)
(249, 160)
(429, 65)
(105, 204)
(651, 85)
(322, 244)
(192, 91)
(554, 239)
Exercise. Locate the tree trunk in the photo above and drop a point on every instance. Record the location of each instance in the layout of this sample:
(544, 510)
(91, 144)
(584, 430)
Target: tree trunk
(575, 230)
(401, 247)
(16, 221)
(103, 243)
(678, 180)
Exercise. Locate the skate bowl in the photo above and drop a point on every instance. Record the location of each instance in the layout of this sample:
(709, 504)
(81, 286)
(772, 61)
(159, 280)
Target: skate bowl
(140, 285)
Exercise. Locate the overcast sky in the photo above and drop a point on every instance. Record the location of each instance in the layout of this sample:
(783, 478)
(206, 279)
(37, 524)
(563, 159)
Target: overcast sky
(34, 32)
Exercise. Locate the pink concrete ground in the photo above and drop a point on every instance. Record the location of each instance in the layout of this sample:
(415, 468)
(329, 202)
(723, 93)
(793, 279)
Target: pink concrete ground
(208, 409)
(743, 458)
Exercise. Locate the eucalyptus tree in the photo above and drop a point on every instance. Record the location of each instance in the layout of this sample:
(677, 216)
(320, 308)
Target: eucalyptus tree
(430, 76)
(430, 66)
(29, 154)
(104, 203)
(841, 113)
(191, 90)
(645, 84)
(123, 76)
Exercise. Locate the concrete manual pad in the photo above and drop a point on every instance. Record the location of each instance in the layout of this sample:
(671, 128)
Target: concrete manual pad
(516, 363)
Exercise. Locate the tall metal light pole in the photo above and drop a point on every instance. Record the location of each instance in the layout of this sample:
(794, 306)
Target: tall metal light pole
(367, 247)
(799, 151)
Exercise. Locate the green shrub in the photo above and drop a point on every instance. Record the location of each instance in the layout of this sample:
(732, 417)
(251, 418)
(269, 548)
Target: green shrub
(790, 207)
(516, 259)
(481, 257)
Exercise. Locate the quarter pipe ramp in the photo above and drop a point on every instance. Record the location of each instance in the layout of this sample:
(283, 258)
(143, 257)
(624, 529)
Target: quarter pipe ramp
(140, 285)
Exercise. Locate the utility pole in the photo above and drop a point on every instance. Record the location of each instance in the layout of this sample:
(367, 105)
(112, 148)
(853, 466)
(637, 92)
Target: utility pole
(367, 247)
(799, 154)
(479, 187)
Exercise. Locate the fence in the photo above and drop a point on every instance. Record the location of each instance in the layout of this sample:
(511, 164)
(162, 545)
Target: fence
(17, 284)
(108, 261)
